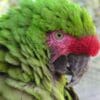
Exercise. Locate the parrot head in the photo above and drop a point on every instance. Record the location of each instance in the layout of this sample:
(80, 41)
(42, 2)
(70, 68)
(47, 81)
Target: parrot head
(43, 42)
(61, 27)
(70, 35)
(70, 55)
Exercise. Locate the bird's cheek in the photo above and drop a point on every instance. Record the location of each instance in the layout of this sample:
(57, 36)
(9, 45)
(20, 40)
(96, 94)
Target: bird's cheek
(63, 49)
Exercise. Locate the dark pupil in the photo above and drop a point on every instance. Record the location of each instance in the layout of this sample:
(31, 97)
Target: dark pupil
(59, 35)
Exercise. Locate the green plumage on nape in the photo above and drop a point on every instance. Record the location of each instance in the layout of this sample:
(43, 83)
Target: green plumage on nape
(24, 55)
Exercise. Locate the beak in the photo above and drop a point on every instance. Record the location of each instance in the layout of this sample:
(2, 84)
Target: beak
(73, 65)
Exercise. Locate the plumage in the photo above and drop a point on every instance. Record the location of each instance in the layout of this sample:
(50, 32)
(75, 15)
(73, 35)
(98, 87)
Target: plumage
(26, 69)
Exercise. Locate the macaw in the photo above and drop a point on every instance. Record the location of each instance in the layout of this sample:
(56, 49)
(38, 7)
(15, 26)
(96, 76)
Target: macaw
(42, 43)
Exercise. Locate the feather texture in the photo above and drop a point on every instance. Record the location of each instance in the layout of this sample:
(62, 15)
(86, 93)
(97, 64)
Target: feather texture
(24, 55)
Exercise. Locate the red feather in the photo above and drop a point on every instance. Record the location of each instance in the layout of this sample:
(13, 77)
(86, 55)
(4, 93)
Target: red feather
(88, 45)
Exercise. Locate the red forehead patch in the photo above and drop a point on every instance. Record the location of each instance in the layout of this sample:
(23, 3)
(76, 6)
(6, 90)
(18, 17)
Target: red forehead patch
(88, 45)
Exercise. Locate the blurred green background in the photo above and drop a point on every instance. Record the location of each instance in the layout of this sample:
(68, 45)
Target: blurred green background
(89, 86)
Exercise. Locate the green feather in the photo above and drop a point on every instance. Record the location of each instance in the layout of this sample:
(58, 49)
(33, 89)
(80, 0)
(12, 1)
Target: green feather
(50, 15)
(24, 54)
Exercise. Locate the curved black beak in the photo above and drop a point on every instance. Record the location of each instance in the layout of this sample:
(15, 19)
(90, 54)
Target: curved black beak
(73, 65)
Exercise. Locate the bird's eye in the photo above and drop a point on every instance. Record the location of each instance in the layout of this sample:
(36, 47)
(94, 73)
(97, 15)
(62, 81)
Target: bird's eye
(59, 35)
